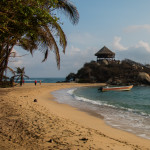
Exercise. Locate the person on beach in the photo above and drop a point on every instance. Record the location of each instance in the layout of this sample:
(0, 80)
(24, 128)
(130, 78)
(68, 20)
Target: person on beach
(40, 82)
(35, 82)
(23, 81)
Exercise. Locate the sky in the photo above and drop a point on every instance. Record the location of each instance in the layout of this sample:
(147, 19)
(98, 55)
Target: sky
(121, 25)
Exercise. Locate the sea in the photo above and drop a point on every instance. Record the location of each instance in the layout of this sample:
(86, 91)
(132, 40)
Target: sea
(125, 110)
(44, 80)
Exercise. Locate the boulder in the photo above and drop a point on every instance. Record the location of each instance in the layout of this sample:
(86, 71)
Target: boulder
(144, 77)
(105, 62)
(114, 81)
(110, 80)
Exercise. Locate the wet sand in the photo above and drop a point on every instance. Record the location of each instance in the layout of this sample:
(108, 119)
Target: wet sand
(46, 124)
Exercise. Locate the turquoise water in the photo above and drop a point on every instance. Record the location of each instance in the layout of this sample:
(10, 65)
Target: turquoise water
(125, 110)
(44, 80)
(136, 100)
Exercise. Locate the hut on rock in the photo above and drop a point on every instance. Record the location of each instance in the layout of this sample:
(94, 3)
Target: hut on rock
(105, 53)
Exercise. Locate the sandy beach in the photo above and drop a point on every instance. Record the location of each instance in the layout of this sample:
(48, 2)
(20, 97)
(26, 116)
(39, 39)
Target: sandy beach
(31, 119)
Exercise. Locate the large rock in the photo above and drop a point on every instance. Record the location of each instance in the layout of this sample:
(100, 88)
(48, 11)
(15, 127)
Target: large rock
(105, 62)
(114, 81)
(144, 77)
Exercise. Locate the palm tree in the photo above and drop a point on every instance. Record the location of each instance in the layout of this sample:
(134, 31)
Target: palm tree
(45, 36)
(39, 32)
(20, 75)
(4, 66)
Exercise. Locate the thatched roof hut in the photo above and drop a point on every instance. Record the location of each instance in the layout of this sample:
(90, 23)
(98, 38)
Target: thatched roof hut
(105, 53)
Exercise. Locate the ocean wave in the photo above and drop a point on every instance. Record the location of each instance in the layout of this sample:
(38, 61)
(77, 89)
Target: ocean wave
(121, 117)
(71, 91)
(29, 80)
(102, 103)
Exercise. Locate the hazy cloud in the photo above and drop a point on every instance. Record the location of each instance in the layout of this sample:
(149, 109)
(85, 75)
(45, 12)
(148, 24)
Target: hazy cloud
(117, 45)
(15, 61)
(144, 45)
(138, 27)
(72, 50)
(75, 59)
(138, 54)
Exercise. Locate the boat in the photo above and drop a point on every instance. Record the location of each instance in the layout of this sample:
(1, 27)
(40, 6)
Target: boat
(116, 88)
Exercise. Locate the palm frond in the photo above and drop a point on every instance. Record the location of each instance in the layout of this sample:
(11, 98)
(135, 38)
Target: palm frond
(11, 70)
(26, 76)
(28, 44)
(60, 34)
(20, 73)
(18, 77)
(69, 9)
(46, 36)
(45, 55)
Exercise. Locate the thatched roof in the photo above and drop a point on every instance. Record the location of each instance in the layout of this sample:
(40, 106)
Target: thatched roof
(105, 52)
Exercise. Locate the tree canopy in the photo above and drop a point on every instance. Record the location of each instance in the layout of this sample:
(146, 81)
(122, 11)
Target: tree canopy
(20, 74)
(33, 24)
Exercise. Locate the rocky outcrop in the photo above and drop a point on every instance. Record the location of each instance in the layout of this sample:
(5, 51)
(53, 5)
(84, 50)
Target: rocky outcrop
(115, 81)
(112, 72)
(144, 77)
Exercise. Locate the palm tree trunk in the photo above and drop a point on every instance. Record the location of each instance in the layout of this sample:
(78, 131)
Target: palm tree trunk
(4, 57)
(21, 80)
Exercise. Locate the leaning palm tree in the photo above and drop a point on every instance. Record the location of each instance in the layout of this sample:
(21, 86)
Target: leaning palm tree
(38, 30)
(20, 74)
(45, 36)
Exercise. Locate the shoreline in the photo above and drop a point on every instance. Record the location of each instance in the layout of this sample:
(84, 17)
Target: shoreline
(76, 106)
(54, 125)
(104, 112)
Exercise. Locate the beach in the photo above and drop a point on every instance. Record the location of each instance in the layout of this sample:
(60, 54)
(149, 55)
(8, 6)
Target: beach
(32, 119)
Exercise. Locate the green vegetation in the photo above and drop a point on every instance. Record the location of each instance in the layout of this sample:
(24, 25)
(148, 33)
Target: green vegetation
(33, 24)
(20, 75)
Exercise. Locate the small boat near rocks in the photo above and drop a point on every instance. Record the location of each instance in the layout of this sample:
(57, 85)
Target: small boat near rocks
(116, 88)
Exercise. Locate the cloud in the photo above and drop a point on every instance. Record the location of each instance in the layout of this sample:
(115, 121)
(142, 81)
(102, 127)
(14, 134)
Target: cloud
(75, 58)
(117, 45)
(138, 27)
(72, 50)
(17, 63)
(138, 54)
(144, 45)
(13, 60)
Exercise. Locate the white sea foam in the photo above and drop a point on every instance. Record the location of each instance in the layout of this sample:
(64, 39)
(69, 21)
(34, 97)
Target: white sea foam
(115, 125)
(144, 136)
(71, 91)
(29, 80)
(127, 119)
(100, 103)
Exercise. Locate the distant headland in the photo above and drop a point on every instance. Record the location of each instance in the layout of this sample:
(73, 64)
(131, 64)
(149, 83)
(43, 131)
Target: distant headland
(108, 70)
